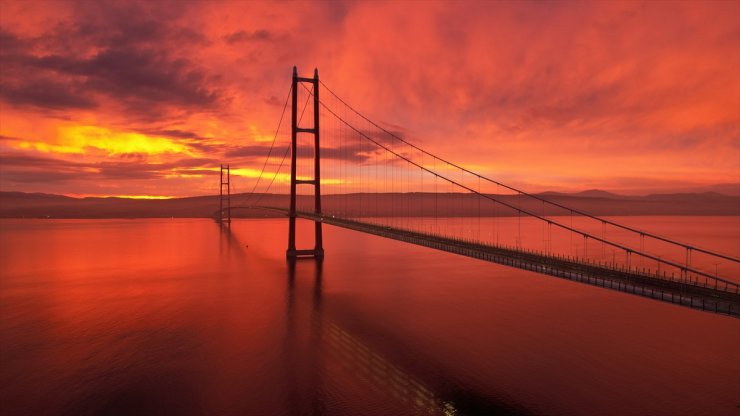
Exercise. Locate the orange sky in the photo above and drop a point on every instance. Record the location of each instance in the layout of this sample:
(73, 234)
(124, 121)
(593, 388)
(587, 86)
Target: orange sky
(126, 98)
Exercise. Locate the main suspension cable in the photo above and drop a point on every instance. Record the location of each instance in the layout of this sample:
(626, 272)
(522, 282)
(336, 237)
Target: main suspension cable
(272, 145)
(523, 211)
(579, 212)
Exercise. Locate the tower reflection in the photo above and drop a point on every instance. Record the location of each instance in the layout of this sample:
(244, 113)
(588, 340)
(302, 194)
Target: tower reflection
(324, 351)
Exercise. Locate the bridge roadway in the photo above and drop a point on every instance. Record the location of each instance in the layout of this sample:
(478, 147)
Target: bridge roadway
(693, 294)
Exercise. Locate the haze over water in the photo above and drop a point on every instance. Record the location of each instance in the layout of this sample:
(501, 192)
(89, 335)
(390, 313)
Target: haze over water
(182, 317)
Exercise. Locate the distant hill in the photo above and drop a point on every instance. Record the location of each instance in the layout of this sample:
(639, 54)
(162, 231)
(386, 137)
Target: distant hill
(37, 205)
(591, 193)
(723, 188)
(18, 204)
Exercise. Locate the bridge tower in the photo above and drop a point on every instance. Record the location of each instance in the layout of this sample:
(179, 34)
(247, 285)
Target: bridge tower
(224, 211)
(318, 250)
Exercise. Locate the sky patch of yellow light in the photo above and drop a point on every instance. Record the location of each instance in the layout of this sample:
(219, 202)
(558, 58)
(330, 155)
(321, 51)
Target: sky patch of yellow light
(117, 143)
(259, 137)
(177, 174)
(331, 181)
(75, 195)
(49, 148)
(280, 178)
(142, 196)
(79, 139)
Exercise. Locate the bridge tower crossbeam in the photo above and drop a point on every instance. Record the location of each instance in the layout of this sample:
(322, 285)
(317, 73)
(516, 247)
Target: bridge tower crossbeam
(318, 250)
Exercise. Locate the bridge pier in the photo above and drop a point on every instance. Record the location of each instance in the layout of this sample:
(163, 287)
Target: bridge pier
(318, 250)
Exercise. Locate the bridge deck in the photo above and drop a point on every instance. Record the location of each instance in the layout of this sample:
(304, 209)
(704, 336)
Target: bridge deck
(693, 294)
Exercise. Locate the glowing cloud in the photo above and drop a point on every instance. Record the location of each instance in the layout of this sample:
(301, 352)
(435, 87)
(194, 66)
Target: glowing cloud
(142, 196)
(544, 95)
(81, 139)
(117, 143)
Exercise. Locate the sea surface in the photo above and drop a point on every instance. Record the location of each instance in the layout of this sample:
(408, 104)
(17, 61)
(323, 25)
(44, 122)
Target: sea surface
(183, 317)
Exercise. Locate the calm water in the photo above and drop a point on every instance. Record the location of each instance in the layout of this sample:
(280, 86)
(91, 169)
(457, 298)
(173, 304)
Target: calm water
(179, 317)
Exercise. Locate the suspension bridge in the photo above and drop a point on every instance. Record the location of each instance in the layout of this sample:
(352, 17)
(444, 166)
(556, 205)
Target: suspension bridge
(383, 184)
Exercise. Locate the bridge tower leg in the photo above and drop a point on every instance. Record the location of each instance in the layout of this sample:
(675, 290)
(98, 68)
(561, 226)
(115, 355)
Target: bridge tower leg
(318, 250)
(224, 211)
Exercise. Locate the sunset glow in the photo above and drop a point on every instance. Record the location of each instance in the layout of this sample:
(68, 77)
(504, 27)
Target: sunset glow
(153, 97)
(82, 139)
(143, 196)
(369, 207)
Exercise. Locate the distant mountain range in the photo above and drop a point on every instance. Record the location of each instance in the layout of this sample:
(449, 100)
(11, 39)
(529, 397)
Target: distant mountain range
(597, 193)
(38, 205)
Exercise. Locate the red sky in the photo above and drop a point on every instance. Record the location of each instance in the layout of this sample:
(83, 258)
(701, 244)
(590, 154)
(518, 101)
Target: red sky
(126, 98)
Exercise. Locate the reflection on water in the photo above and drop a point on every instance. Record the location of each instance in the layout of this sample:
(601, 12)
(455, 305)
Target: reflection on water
(183, 317)
(403, 392)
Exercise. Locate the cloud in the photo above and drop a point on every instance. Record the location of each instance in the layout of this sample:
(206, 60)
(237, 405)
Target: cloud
(350, 152)
(253, 151)
(144, 79)
(81, 139)
(18, 167)
(175, 133)
(245, 36)
(47, 93)
(527, 91)
(119, 55)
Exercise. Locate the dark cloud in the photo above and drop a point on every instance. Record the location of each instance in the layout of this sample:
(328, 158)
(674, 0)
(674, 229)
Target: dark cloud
(136, 61)
(203, 146)
(192, 162)
(245, 36)
(13, 159)
(131, 24)
(274, 101)
(10, 43)
(352, 153)
(337, 11)
(383, 137)
(48, 94)
(253, 151)
(27, 175)
(140, 76)
(349, 152)
(23, 85)
(23, 168)
(174, 133)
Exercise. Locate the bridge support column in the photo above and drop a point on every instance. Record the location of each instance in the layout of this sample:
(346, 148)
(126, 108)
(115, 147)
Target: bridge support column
(318, 249)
